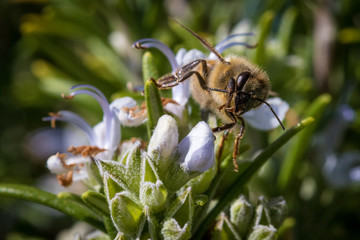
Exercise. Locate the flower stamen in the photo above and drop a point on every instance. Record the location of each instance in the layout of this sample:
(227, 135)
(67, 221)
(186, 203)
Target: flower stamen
(85, 151)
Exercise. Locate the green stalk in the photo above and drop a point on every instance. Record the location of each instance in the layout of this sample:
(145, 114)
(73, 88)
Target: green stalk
(258, 162)
(65, 205)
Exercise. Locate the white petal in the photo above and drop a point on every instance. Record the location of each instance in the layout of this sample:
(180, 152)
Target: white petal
(181, 92)
(57, 166)
(54, 165)
(119, 103)
(124, 116)
(179, 56)
(165, 137)
(175, 109)
(192, 55)
(263, 119)
(130, 120)
(197, 148)
(113, 140)
(100, 133)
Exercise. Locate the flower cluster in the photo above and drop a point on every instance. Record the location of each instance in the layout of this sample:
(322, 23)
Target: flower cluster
(156, 191)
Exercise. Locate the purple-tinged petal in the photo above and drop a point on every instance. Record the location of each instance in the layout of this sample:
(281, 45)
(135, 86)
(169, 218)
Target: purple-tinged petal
(154, 43)
(263, 119)
(230, 41)
(197, 148)
(76, 120)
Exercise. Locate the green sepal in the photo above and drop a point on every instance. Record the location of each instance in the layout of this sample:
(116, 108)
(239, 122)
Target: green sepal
(127, 174)
(96, 201)
(111, 187)
(127, 215)
(201, 183)
(224, 229)
(173, 231)
(168, 170)
(201, 199)
(241, 215)
(153, 223)
(182, 208)
(261, 232)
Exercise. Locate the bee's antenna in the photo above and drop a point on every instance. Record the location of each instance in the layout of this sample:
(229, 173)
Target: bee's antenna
(205, 43)
(272, 110)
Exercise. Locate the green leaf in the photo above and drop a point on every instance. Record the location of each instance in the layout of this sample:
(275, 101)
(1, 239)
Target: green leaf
(65, 205)
(264, 27)
(243, 178)
(152, 96)
(297, 149)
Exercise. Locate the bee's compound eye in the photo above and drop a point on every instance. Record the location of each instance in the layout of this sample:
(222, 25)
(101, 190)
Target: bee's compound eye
(242, 78)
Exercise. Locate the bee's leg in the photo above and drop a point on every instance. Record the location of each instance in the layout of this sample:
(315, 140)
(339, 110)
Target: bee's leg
(221, 148)
(165, 82)
(237, 142)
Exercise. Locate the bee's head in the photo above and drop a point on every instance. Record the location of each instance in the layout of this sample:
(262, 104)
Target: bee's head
(251, 90)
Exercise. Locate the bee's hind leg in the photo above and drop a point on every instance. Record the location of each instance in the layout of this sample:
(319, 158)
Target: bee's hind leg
(237, 143)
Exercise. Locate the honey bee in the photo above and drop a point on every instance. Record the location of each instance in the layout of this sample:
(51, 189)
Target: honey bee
(228, 87)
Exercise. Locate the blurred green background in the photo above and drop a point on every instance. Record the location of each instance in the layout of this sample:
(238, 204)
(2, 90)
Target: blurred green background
(310, 49)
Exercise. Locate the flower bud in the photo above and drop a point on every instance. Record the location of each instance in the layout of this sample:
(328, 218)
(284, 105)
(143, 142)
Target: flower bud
(241, 215)
(197, 148)
(126, 214)
(153, 195)
(171, 230)
(277, 210)
(261, 232)
(165, 138)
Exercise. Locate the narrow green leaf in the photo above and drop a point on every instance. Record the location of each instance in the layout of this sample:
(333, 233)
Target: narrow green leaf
(110, 228)
(152, 96)
(264, 27)
(149, 68)
(242, 179)
(299, 146)
(96, 201)
(285, 29)
(65, 205)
